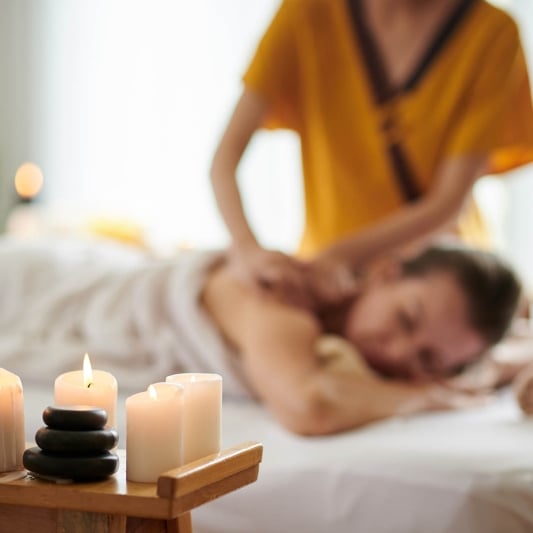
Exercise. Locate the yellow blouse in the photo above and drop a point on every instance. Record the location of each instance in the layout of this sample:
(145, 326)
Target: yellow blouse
(472, 98)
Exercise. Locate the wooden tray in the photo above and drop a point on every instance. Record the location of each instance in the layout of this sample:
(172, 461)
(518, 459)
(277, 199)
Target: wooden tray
(114, 505)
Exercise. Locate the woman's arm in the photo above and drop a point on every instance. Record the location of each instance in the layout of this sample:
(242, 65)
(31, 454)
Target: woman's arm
(308, 396)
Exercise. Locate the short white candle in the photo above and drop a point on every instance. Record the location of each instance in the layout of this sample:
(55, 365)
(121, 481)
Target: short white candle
(88, 387)
(202, 413)
(11, 421)
(154, 432)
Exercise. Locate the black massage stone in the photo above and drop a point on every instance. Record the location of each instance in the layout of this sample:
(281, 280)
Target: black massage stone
(75, 417)
(82, 442)
(72, 467)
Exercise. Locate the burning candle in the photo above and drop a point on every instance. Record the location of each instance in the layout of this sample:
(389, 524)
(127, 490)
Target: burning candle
(154, 432)
(88, 387)
(11, 421)
(202, 412)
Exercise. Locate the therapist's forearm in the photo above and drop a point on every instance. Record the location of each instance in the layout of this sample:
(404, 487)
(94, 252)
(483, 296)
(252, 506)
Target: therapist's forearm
(229, 203)
(245, 120)
(417, 222)
(412, 224)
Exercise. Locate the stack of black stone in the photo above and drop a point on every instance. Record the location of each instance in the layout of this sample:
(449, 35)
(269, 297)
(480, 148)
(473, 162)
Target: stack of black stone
(74, 445)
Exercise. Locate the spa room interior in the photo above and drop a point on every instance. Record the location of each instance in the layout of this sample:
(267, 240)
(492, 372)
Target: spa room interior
(111, 111)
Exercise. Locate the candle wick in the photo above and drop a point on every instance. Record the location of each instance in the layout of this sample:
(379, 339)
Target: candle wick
(89, 385)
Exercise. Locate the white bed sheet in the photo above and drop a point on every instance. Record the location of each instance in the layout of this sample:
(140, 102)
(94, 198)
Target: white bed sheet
(460, 472)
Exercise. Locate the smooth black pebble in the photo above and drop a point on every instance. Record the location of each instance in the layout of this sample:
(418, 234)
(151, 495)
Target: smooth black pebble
(75, 417)
(77, 468)
(76, 442)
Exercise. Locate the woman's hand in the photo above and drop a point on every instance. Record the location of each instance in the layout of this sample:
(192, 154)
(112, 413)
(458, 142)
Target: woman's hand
(437, 397)
(523, 389)
(479, 378)
(440, 398)
(502, 363)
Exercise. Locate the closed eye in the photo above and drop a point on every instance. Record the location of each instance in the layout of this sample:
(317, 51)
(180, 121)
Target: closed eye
(411, 315)
(407, 322)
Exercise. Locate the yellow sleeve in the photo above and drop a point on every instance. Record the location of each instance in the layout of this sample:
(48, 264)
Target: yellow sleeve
(498, 116)
(273, 71)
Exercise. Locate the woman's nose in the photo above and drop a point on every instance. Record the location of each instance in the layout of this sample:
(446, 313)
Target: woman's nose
(401, 355)
(399, 349)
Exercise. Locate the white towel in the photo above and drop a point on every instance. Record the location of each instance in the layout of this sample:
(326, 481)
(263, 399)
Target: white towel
(138, 317)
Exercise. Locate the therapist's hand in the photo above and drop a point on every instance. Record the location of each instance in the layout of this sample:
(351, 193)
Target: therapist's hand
(330, 280)
(272, 271)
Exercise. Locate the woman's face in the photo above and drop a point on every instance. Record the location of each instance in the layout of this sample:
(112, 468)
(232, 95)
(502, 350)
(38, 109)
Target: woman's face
(413, 328)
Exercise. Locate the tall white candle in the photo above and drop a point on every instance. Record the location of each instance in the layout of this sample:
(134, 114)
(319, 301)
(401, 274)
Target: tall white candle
(154, 432)
(11, 421)
(88, 387)
(202, 413)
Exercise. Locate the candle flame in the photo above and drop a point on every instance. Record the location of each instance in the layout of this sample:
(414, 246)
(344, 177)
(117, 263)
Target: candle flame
(152, 392)
(87, 372)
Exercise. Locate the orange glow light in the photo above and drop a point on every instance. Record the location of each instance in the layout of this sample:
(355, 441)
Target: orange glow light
(28, 180)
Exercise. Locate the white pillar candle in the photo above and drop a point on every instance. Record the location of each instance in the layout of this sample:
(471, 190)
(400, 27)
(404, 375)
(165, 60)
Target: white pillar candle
(88, 387)
(202, 413)
(11, 421)
(154, 432)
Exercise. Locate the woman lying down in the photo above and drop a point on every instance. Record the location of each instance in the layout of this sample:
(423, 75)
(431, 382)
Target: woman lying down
(406, 328)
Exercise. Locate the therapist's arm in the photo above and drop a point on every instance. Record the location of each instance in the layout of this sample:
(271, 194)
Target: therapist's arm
(244, 122)
(414, 223)
(251, 262)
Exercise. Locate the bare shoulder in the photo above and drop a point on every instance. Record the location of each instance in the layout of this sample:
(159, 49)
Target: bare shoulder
(239, 310)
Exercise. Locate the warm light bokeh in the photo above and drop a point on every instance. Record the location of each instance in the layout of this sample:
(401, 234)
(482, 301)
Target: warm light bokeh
(28, 180)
